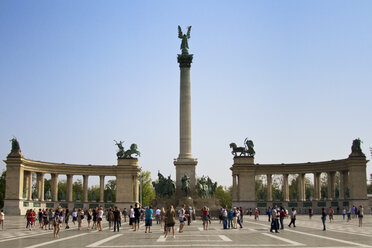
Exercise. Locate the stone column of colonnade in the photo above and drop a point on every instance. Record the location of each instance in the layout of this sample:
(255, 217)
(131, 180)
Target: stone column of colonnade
(69, 187)
(85, 188)
(54, 185)
(28, 184)
(269, 187)
(301, 182)
(40, 186)
(101, 188)
(285, 188)
(317, 188)
(331, 181)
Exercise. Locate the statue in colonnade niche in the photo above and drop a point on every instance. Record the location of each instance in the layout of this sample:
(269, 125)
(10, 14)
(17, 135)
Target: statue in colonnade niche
(94, 198)
(109, 196)
(78, 196)
(246, 151)
(48, 195)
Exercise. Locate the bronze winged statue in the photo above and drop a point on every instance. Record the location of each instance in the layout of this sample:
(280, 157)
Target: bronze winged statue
(184, 37)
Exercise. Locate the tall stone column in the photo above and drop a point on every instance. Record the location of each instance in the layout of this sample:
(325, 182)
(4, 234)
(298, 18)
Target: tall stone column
(101, 188)
(69, 188)
(185, 163)
(301, 181)
(269, 187)
(342, 188)
(345, 177)
(40, 186)
(317, 192)
(285, 188)
(85, 188)
(234, 189)
(29, 186)
(331, 185)
(54, 187)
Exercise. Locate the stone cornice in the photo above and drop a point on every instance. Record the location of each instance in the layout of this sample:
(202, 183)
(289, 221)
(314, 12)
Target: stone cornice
(294, 168)
(77, 169)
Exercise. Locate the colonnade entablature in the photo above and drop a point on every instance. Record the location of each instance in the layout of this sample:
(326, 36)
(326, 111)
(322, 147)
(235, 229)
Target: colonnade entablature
(345, 183)
(19, 181)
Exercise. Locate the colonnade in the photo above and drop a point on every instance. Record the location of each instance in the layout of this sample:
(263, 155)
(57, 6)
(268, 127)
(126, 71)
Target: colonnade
(352, 181)
(40, 187)
(19, 182)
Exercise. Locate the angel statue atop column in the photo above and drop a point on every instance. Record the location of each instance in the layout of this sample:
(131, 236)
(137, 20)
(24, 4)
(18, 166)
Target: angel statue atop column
(184, 37)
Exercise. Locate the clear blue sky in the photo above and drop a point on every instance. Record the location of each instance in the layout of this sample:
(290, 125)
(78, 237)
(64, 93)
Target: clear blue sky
(293, 76)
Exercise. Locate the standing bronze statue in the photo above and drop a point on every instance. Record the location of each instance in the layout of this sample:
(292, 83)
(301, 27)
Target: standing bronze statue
(184, 37)
(186, 185)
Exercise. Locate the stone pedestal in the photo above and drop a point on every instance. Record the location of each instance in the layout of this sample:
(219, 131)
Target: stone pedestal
(127, 183)
(185, 167)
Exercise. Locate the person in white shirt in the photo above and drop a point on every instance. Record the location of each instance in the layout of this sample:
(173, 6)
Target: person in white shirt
(293, 218)
(2, 219)
(157, 215)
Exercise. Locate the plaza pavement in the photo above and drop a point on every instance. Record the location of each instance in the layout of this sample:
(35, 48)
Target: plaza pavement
(308, 233)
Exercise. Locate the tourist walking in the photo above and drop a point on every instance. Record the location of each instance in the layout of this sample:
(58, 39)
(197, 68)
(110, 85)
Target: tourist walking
(230, 217)
(235, 218)
(348, 213)
(311, 212)
(224, 217)
(56, 222)
(360, 215)
(2, 219)
(116, 216)
(343, 213)
(148, 219)
(67, 218)
(162, 220)
(324, 217)
(99, 218)
(89, 217)
(330, 212)
(239, 218)
(256, 214)
(293, 218)
(74, 216)
(50, 218)
(131, 216)
(274, 220)
(282, 215)
(182, 217)
(137, 215)
(80, 217)
(110, 218)
(188, 216)
(157, 215)
(241, 210)
(205, 214)
(125, 214)
(170, 220)
(268, 212)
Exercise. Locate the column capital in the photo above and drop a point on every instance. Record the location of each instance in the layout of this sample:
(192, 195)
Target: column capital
(185, 60)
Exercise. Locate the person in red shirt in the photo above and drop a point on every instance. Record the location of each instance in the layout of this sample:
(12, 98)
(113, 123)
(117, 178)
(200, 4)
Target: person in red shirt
(30, 219)
(205, 214)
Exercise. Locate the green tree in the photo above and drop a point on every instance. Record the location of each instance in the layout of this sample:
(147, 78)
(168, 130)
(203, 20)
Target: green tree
(2, 188)
(62, 186)
(47, 186)
(77, 187)
(224, 195)
(110, 189)
(148, 192)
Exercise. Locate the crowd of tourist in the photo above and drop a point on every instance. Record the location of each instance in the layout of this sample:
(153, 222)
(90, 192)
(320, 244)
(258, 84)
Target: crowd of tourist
(230, 218)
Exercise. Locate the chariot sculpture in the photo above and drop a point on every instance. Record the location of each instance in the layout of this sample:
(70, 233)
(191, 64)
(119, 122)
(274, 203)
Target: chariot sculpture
(246, 151)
